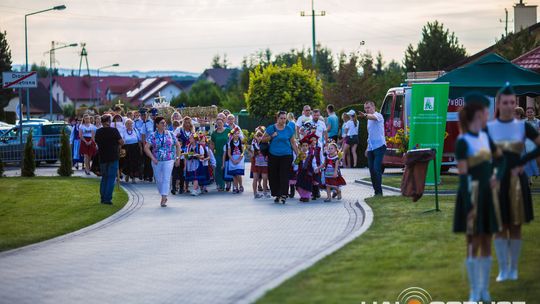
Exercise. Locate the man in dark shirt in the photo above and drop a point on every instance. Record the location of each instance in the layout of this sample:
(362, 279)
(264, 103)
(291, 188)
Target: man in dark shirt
(108, 141)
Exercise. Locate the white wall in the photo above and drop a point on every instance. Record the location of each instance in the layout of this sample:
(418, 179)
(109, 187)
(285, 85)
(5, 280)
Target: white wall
(59, 95)
(169, 92)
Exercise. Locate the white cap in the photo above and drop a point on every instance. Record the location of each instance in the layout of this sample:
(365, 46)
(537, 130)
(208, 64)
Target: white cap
(351, 112)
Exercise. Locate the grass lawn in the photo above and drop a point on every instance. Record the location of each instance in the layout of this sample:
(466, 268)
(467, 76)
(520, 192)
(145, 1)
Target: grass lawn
(405, 248)
(39, 208)
(448, 182)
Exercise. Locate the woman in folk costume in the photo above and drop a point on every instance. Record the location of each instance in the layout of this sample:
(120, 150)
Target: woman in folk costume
(75, 140)
(509, 134)
(332, 173)
(207, 176)
(477, 212)
(305, 162)
(87, 131)
(236, 159)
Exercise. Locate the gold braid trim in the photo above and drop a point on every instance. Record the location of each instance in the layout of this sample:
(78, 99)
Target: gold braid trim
(509, 146)
(496, 205)
(480, 157)
(517, 208)
(471, 217)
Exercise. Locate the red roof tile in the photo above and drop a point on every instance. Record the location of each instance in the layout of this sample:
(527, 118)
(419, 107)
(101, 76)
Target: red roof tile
(529, 60)
(85, 88)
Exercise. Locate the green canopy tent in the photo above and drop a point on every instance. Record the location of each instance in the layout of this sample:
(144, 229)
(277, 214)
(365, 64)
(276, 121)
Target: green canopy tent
(488, 74)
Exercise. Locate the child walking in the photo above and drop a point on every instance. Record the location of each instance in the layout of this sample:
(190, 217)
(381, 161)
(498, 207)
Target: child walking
(306, 170)
(332, 173)
(259, 166)
(235, 152)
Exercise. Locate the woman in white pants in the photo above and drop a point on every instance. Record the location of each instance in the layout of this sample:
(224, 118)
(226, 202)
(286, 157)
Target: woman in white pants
(163, 149)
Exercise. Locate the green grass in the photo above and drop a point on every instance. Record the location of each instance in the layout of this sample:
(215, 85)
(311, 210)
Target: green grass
(39, 208)
(405, 248)
(448, 182)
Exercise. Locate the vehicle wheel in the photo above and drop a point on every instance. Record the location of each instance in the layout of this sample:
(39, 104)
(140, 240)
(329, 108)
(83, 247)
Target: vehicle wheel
(50, 161)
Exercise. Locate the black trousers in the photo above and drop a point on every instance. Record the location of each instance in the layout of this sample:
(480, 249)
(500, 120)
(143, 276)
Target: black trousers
(148, 172)
(178, 175)
(279, 168)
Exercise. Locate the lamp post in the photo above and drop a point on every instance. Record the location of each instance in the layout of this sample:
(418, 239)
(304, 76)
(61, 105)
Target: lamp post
(313, 15)
(97, 86)
(56, 8)
(51, 52)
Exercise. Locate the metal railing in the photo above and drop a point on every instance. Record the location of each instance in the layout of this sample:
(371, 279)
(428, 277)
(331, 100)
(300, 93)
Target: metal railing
(46, 148)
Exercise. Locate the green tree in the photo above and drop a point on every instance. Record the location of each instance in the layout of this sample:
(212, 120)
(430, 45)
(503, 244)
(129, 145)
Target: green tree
(68, 110)
(516, 44)
(437, 49)
(5, 65)
(180, 100)
(274, 88)
(42, 70)
(29, 158)
(204, 93)
(66, 165)
(217, 63)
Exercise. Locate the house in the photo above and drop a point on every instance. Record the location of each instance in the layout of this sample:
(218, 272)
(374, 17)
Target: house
(39, 102)
(529, 60)
(90, 91)
(220, 76)
(144, 92)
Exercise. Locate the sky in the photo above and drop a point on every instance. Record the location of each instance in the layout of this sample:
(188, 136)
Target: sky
(185, 34)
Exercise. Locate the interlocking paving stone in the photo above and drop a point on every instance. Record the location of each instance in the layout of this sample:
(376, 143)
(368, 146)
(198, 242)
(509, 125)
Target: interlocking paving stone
(215, 248)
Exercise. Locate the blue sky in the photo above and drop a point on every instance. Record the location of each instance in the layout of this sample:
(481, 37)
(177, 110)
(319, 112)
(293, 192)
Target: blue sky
(186, 34)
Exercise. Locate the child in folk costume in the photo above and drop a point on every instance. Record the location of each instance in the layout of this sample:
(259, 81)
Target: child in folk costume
(332, 173)
(75, 140)
(317, 151)
(477, 212)
(259, 167)
(305, 162)
(235, 152)
(227, 177)
(207, 177)
(195, 171)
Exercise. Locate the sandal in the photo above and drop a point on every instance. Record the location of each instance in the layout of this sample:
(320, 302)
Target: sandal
(327, 200)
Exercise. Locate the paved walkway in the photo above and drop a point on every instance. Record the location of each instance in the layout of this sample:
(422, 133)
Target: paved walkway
(215, 248)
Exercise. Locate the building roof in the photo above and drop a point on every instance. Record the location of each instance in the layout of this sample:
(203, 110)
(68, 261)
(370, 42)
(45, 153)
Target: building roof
(529, 60)
(39, 100)
(219, 76)
(86, 88)
(146, 89)
(489, 50)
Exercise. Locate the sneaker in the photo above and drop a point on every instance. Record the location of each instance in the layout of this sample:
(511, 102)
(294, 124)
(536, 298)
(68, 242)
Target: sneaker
(241, 189)
(267, 195)
(173, 191)
(276, 199)
(283, 200)
(334, 194)
(195, 192)
(258, 195)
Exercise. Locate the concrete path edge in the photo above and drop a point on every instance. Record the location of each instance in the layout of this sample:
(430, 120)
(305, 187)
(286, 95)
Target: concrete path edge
(254, 295)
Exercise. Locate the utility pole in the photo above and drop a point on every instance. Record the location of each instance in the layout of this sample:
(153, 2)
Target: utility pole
(85, 55)
(505, 23)
(313, 15)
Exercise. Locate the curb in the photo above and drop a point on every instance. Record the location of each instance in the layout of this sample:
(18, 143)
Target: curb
(135, 202)
(355, 227)
(397, 190)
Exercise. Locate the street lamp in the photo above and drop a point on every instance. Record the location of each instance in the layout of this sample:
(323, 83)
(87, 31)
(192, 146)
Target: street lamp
(313, 15)
(97, 86)
(55, 8)
(51, 52)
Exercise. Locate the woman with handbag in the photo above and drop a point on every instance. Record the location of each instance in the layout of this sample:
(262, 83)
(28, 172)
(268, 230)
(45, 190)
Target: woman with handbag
(164, 150)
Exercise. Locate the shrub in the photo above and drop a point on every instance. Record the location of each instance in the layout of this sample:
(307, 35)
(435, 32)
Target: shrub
(29, 161)
(65, 168)
(275, 88)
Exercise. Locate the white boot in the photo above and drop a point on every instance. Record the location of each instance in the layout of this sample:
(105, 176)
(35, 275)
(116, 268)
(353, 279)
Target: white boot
(473, 274)
(502, 250)
(485, 270)
(515, 250)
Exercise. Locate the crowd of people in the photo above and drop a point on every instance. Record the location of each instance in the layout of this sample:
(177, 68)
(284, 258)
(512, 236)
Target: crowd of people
(303, 155)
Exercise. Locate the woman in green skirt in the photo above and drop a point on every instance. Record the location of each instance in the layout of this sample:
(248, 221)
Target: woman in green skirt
(477, 212)
(219, 139)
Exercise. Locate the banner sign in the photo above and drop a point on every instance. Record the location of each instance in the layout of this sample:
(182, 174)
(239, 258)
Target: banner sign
(428, 121)
(15, 80)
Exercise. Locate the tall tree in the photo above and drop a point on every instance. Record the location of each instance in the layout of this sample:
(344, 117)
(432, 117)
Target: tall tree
(204, 93)
(5, 65)
(437, 49)
(516, 44)
(218, 63)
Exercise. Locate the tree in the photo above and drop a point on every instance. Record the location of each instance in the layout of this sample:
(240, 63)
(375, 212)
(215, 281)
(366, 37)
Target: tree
(66, 165)
(274, 88)
(437, 49)
(217, 63)
(5, 65)
(180, 100)
(42, 70)
(516, 44)
(29, 158)
(204, 93)
(68, 110)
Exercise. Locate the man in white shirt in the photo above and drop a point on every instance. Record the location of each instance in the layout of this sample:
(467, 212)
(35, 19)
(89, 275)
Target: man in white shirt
(320, 127)
(305, 117)
(376, 144)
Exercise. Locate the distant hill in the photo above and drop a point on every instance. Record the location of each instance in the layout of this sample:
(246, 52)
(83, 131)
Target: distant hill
(139, 74)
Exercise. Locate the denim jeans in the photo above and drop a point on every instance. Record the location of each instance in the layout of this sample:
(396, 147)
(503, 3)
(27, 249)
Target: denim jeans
(109, 171)
(375, 158)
